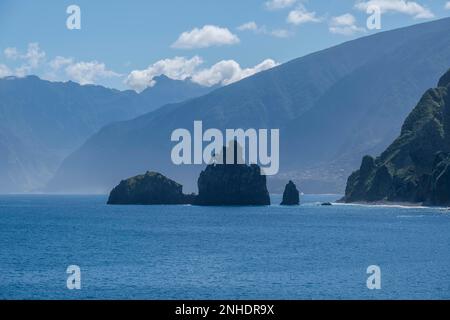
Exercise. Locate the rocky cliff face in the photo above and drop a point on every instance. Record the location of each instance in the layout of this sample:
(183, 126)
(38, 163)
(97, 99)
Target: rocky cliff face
(149, 189)
(291, 196)
(232, 184)
(416, 167)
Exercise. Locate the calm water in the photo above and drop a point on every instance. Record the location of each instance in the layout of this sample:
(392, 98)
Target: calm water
(165, 252)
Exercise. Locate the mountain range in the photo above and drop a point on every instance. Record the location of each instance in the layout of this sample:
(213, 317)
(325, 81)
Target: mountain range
(332, 107)
(42, 122)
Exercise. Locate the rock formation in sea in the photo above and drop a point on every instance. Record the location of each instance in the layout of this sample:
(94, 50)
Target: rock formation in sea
(291, 196)
(149, 189)
(415, 167)
(232, 184)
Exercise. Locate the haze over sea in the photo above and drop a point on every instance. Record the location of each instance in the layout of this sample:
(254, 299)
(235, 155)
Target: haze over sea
(188, 252)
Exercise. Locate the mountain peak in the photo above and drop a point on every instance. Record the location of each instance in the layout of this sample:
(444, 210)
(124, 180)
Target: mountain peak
(445, 80)
(171, 91)
(163, 77)
(162, 82)
(32, 77)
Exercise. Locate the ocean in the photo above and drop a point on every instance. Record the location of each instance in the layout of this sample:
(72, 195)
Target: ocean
(188, 252)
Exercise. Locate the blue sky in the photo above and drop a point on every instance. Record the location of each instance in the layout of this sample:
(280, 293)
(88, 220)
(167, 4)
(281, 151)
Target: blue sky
(124, 44)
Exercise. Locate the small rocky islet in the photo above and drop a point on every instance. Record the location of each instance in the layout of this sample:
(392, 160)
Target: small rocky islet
(291, 196)
(218, 185)
(151, 188)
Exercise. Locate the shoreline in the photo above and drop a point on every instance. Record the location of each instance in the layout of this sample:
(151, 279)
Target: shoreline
(393, 204)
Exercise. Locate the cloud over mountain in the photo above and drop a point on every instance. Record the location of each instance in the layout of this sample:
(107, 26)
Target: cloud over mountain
(228, 71)
(29, 60)
(34, 61)
(4, 71)
(180, 68)
(89, 72)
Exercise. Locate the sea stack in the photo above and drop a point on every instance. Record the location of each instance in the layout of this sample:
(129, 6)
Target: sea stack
(291, 196)
(151, 188)
(232, 184)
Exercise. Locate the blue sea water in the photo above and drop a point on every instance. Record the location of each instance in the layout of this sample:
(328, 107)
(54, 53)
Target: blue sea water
(187, 252)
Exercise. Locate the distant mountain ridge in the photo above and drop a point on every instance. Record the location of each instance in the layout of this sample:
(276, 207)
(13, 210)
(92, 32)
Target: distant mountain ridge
(167, 90)
(41, 122)
(332, 107)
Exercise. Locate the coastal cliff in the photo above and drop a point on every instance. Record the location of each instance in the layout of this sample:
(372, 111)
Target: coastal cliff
(416, 166)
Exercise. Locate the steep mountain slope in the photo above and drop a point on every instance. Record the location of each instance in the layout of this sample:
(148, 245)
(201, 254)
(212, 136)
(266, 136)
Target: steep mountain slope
(167, 90)
(363, 113)
(42, 122)
(416, 167)
(319, 102)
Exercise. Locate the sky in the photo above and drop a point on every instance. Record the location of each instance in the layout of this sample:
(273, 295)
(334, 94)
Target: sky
(126, 44)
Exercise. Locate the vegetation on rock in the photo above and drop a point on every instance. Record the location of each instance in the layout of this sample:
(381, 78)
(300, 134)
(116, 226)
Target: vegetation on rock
(416, 167)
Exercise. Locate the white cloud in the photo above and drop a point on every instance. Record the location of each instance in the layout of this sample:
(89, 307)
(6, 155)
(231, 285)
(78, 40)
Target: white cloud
(34, 55)
(252, 26)
(279, 4)
(411, 8)
(11, 53)
(228, 71)
(248, 26)
(344, 20)
(280, 33)
(83, 72)
(31, 59)
(22, 71)
(88, 72)
(345, 25)
(180, 68)
(5, 71)
(207, 36)
(301, 15)
(447, 5)
(34, 61)
(59, 62)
